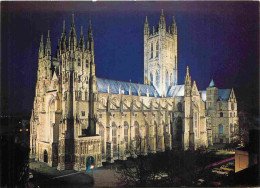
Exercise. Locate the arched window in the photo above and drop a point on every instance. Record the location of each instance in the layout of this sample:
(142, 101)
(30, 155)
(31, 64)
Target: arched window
(157, 78)
(230, 114)
(137, 134)
(114, 137)
(179, 106)
(79, 62)
(151, 50)
(220, 129)
(136, 129)
(231, 128)
(151, 78)
(167, 80)
(221, 114)
(157, 49)
(126, 134)
(232, 106)
(234, 114)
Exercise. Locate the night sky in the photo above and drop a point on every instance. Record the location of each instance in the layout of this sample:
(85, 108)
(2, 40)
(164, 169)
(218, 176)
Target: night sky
(217, 40)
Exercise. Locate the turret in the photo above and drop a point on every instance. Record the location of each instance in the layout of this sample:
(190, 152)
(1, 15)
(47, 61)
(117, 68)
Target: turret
(81, 44)
(41, 48)
(73, 35)
(90, 42)
(187, 83)
(63, 37)
(48, 45)
(211, 94)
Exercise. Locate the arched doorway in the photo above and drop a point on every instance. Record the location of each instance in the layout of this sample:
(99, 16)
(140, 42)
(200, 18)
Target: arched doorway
(45, 156)
(90, 164)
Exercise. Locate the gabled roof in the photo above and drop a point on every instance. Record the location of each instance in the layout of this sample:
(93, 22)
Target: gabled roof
(176, 91)
(223, 94)
(114, 85)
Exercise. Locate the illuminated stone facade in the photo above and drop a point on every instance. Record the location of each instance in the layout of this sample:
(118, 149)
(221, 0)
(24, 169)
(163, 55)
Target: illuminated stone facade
(77, 115)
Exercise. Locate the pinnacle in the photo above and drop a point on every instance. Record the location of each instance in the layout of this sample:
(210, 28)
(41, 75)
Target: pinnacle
(90, 24)
(42, 38)
(64, 26)
(81, 31)
(72, 22)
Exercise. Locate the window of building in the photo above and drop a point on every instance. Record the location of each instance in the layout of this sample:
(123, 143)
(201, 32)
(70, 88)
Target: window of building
(157, 49)
(100, 115)
(230, 114)
(234, 114)
(114, 137)
(157, 78)
(167, 80)
(231, 128)
(151, 78)
(126, 134)
(87, 63)
(232, 106)
(79, 62)
(220, 129)
(179, 106)
(83, 113)
(221, 114)
(151, 50)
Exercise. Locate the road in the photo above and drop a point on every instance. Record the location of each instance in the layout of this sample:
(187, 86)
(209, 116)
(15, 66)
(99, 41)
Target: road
(45, 176)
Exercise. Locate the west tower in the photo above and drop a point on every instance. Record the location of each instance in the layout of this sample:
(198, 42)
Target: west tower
(160, 55)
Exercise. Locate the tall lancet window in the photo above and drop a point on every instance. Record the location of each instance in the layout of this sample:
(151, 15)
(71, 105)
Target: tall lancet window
(167, 80)
(151, 50)
(151, 78)
(157, 49)
(157, 78)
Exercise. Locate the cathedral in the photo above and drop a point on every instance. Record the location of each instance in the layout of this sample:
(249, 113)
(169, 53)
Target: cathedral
(79, 119)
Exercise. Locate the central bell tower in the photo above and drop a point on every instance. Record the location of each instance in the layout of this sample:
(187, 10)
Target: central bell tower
(160, 55)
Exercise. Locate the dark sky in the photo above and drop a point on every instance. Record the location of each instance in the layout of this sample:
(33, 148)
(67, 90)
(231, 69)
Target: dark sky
(216, 39)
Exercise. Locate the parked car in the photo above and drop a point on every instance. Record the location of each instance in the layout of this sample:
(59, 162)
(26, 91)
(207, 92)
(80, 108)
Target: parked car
(220, 171)
(227, 168)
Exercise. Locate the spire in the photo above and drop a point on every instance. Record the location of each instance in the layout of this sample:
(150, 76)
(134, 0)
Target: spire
(188, 77)
(73, 35)
(146, 27)
(81, 40)
(162, 23)
(195, 88)
(173, 26)
(212, 83)
(48, 45)
(90, 42)
(41, 48)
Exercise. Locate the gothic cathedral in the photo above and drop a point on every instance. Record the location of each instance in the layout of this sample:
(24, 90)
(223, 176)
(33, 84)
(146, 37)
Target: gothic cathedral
(80, 119)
